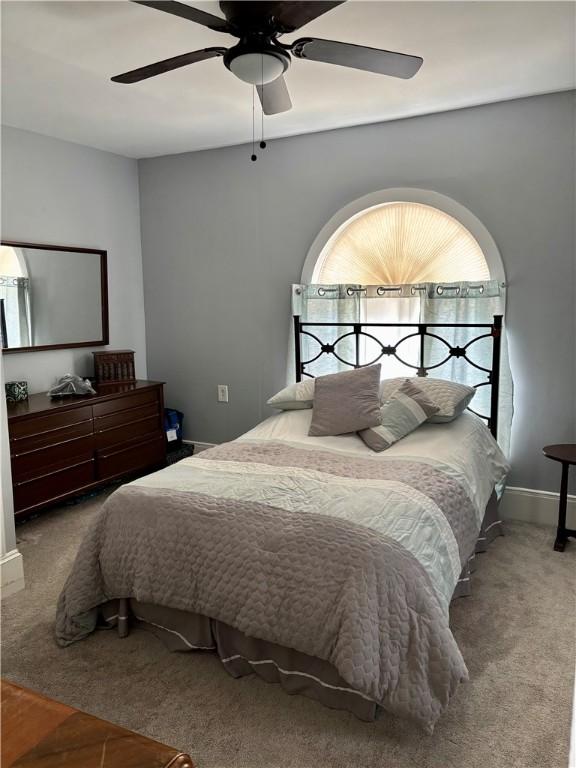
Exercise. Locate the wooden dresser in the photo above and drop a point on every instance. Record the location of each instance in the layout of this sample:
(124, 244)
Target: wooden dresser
(69, 445)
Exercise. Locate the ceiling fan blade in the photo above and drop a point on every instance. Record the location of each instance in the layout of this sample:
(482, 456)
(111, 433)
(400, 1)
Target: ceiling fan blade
(188, 12)
(357, 57)
(282, 16)
(274, 96)
(151, 70)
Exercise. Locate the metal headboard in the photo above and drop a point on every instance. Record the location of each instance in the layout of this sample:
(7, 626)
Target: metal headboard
(421, 330)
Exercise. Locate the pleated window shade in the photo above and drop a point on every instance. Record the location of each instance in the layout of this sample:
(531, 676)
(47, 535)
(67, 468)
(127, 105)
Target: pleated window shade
(399, 243)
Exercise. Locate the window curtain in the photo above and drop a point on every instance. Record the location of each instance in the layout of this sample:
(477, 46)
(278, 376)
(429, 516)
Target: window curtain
(464, 302)
(327, 304)
(471, 303)
(15, 293)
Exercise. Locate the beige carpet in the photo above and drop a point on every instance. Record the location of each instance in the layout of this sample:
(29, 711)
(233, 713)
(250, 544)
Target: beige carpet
(517, 634)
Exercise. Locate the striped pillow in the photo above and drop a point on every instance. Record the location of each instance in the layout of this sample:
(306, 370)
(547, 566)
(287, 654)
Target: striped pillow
(407, 408)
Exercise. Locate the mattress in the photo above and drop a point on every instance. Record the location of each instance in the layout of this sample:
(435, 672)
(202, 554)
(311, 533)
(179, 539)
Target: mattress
(317, 545)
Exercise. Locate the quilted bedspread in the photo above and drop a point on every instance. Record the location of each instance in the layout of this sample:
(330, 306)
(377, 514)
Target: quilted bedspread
(346, 558)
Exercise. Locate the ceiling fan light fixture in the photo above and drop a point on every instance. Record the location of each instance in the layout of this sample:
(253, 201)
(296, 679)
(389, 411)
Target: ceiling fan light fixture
(258, 68)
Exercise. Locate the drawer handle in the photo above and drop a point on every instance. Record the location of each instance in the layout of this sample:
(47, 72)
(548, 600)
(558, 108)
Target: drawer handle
(54, 472)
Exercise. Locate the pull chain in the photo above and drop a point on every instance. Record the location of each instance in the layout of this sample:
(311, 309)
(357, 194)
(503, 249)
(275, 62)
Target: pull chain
(254, 156)
(262, 142)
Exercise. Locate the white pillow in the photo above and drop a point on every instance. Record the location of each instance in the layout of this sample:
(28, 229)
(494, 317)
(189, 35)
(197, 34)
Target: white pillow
(450, 397)
(295, 397)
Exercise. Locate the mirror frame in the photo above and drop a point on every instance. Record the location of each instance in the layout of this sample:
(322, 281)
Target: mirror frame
(103, 297)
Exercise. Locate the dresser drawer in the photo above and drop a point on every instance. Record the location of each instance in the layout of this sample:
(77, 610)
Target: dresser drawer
(123, 403)
(128, 416)
(49, 423)
(130, 457)
(40, 461)
(22, 445)
(125, 432)
(52, 486)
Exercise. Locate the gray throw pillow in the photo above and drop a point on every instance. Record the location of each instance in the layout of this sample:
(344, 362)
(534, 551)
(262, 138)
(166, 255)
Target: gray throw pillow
(407, 408)
(451, 397)
(346, 402)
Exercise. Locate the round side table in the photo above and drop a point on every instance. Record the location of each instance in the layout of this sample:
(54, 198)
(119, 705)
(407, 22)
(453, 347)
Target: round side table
(566, 455)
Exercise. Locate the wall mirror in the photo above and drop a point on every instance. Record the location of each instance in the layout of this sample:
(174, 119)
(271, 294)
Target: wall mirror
(52, 297)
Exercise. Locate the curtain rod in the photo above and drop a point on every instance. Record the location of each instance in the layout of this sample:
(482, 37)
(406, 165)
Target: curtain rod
(382, 290)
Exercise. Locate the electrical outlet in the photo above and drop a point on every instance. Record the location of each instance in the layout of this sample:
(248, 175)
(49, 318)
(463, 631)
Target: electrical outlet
(222, 393)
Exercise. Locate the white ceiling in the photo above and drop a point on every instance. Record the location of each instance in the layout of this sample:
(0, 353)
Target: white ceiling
(58, 57)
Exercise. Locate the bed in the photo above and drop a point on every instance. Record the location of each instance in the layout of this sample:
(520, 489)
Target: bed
(312, 561)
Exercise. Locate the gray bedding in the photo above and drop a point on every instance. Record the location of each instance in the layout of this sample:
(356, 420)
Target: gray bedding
(343, 558)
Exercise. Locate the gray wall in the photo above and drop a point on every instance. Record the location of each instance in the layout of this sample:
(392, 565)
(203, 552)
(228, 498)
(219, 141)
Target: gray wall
(223, 239)
(60, 193)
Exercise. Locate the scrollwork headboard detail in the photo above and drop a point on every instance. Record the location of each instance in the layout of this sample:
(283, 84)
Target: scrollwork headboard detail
(420, 330)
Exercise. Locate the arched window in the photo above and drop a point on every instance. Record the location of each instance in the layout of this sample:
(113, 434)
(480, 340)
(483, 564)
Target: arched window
(387, 259)
(407, 232)
(401, 242)
(403, 238)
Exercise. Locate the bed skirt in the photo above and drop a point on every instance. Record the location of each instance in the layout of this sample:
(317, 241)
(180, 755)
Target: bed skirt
(241, 655)
(491, 528)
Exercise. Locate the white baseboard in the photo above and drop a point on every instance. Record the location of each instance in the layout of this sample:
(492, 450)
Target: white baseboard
(11, 573)
(532, 506)
(199, 447)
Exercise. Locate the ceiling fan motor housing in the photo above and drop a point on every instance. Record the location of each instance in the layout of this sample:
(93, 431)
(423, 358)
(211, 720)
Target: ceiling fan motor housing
(257, 61)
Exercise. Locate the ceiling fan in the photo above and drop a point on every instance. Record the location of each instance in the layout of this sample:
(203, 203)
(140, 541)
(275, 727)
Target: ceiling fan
(260, 58)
